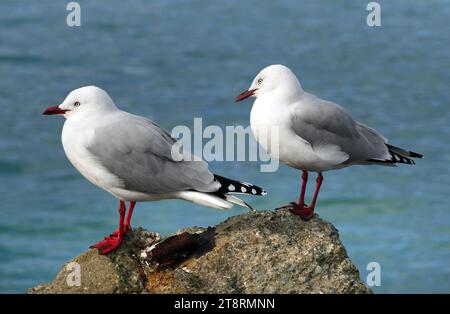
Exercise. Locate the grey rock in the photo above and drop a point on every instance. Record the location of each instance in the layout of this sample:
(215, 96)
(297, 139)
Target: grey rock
(256, 252)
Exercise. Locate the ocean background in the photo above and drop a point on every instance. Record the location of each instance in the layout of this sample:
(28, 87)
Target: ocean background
(176, 60)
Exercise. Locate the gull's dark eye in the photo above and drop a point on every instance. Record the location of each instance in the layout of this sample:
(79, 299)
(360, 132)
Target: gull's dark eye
(76, 104)
(260, 81)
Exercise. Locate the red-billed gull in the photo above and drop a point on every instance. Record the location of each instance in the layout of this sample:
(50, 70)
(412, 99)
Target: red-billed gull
(314, 134)
(132, 158)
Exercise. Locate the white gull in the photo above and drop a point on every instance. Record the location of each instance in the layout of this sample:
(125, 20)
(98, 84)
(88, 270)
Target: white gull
(132, 158)
(314, 134)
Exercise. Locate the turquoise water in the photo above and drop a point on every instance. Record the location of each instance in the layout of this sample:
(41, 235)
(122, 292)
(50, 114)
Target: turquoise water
(176, 60)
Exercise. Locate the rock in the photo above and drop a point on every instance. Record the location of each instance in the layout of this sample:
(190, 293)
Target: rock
(118, 272)
(256, 252)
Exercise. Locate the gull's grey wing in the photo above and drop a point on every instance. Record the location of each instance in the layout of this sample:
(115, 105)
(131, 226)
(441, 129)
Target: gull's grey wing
(326, 125)
(138, 152)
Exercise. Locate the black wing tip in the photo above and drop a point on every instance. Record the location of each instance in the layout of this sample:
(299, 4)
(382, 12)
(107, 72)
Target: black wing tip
(379, 161)
(403, 152)
(396, 158)
(233, 186)
(415, 155)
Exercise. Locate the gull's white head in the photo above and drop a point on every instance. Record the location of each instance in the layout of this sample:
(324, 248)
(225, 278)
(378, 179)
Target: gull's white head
(275, 78)
(83, 102)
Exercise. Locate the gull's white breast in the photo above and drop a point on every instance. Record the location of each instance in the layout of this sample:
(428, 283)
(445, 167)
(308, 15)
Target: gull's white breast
(293, 150)
(76, 137)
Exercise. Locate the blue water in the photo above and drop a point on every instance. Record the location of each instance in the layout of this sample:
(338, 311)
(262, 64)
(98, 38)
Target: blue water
(176, 60)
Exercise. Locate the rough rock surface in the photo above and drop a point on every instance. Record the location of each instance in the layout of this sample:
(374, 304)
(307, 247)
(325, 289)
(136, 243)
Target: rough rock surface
(257, 252)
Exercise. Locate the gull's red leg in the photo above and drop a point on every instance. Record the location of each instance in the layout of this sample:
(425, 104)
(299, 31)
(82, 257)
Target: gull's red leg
(112, 243)
(301, 201)
(316, 193)
(301, 209)
(127, 226)
(130, 213)
(122, 209)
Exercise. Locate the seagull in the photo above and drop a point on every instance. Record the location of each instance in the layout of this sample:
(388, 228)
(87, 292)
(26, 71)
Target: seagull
(135, 160)
(314, 134)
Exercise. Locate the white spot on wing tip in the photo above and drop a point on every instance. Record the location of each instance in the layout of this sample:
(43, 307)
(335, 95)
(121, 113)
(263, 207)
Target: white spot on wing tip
(253, 191)
(231, 187)
(243, 189)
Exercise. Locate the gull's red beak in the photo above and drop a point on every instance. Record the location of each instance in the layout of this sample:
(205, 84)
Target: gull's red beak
(54, 110)
(245, 95)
